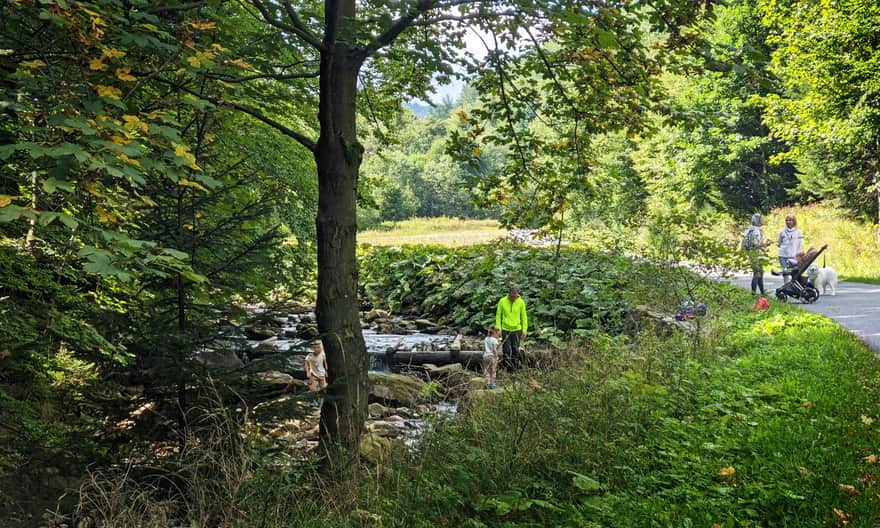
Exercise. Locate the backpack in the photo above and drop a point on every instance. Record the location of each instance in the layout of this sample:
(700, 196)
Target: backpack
(748, 241)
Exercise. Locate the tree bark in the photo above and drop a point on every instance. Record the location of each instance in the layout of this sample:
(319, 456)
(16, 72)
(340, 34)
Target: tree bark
(338, 157)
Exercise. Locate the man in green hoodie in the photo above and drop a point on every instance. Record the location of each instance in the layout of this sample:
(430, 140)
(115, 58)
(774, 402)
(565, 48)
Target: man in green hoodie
(511, 318)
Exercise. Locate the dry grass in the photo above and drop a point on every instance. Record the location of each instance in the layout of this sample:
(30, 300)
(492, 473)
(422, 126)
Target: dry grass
(440, 231)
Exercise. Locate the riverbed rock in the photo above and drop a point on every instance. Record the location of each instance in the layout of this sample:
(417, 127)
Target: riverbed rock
(441, 372)
(266, 347)
(374, 448)
(275, 379)
(295, 366)
(307, 331)
(392, 327)
(477, 395)
(374, 314)
(476, 384)
(386, 428)
(219, 359)
(377, 410)
(259, 333)
(454, 377)
(396, 389)
(425, 325)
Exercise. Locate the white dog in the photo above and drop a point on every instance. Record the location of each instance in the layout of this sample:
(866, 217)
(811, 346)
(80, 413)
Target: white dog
(823, 278)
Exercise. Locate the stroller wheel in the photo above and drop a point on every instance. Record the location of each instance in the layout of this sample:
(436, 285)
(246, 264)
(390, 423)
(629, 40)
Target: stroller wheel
(810, 295)
(780, 295)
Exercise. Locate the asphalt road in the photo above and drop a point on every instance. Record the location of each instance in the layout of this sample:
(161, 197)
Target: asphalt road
(856, 306)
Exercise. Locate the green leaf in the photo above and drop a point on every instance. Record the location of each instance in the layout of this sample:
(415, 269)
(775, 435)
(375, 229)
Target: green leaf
(11, 213)
(69, 221)
(193, 276)
(605, 38)
(583, 482)
(179, 255)
(53, 184)
(64, 149)
(8, 150)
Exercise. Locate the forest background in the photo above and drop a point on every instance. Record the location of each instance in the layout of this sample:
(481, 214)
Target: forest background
(155, 180)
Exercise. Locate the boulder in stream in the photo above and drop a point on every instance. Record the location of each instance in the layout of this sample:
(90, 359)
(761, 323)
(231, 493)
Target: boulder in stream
(393, 327)
(219, 359)
(374, 448)
(274, 379)
(377, 410)
(396, 389)
(426, 326)
(265, 347)
(307, 331)
(374, 314)
(260, 333)
(387, 428)
(444, 371)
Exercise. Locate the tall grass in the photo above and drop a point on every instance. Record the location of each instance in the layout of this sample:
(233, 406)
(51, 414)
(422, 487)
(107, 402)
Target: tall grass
(769, 423)
(443, 231)
(768, 419)
(852, 246)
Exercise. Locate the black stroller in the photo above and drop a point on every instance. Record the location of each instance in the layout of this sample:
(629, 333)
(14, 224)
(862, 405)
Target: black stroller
(800, 287)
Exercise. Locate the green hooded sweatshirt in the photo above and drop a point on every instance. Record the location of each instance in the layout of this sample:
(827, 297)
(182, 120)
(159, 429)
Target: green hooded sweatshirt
(511, 316)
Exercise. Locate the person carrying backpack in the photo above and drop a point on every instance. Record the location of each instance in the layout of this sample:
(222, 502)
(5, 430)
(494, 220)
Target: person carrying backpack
(753, 244)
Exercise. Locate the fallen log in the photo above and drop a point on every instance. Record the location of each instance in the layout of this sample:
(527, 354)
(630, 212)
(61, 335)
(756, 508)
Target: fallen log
(436, 357)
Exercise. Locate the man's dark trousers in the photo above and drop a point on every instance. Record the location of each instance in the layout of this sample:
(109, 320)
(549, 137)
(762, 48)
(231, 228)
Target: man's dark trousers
(512, 359)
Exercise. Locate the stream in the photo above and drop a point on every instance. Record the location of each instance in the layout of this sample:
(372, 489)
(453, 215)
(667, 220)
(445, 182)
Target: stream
(408, 349)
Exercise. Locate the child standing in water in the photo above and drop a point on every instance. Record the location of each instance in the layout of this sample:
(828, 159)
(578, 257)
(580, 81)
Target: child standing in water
(316, 370)
(490, 356)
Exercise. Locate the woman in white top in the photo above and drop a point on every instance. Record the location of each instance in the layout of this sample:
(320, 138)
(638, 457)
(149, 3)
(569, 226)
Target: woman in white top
(791, 242)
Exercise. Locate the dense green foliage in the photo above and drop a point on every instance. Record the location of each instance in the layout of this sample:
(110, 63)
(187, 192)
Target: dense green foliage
(769, 423)
(827, 57)
(135, 215)
(157, 180)
(576, 294)
(413, 176)
(768, 419)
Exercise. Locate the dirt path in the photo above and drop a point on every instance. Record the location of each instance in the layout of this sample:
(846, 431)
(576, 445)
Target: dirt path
(856, 306)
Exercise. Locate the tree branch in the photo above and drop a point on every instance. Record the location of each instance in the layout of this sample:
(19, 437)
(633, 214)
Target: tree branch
(396, 28)
(296, 27)
(460, 18)
(275, 76)
(256, 114)
(170, 9)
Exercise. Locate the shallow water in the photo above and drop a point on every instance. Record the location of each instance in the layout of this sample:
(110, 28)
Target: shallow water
(378, 345)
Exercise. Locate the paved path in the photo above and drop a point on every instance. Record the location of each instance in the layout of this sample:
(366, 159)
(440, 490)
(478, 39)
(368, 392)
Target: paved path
(856, 306)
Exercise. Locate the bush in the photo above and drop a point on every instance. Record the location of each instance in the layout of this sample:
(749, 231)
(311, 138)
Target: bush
(577, 294)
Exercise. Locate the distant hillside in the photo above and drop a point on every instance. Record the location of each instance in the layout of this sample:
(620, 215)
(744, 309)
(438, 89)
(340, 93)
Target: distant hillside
(420, 110)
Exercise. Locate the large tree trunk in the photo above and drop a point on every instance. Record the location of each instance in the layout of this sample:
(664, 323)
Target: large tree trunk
(338, 156)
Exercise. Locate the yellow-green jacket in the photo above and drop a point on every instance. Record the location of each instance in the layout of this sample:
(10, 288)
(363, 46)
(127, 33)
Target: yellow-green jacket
(511, 316)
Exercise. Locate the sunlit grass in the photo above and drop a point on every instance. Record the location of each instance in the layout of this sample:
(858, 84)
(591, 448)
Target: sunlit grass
(443, 231)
